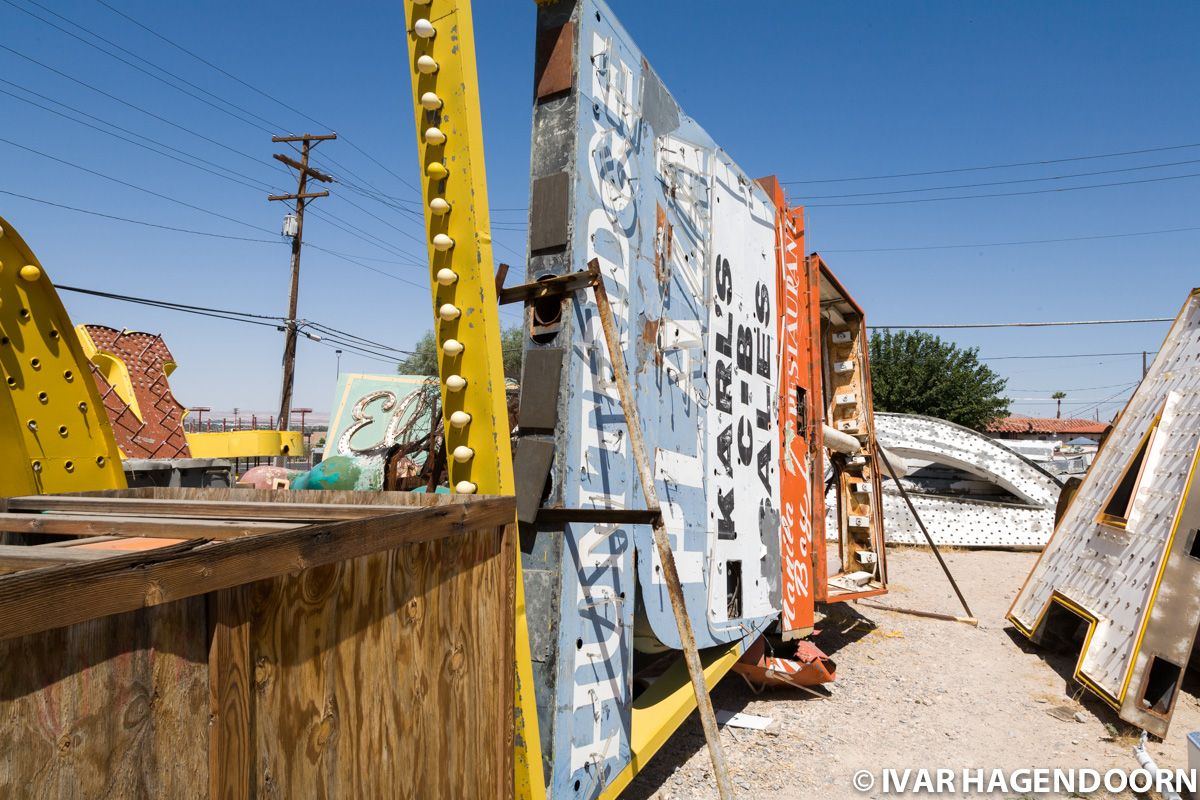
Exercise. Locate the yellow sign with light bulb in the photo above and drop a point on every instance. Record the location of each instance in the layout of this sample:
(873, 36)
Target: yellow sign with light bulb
(449, 129)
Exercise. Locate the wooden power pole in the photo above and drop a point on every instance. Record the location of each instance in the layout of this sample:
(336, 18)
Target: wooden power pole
(289, 345)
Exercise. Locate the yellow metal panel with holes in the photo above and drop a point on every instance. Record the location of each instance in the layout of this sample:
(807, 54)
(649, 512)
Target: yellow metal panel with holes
(466, 315)
(245, 444)
(660, 710)
(56, 435)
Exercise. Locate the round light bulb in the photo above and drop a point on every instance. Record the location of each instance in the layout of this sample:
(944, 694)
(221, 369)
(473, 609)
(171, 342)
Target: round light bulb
(434, 136)
(463, 454)
(446, 276)
(459, 419)
(449, 312)
(456, 383)
(424, 28)
(452, 347)
(426, 65)
(1, 230)
(439, 206)
(420, 2)
(437, 170)
(30, 273)
(442, 242)
(430, 101)
(465, 487)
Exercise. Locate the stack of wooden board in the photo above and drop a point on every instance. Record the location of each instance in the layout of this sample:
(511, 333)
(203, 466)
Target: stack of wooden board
(236, 644)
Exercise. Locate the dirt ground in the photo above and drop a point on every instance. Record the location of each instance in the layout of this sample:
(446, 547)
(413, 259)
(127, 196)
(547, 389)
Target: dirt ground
(916, 692)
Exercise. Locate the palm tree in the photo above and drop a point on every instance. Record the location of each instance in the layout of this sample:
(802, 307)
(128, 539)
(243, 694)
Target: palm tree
(1059, 397)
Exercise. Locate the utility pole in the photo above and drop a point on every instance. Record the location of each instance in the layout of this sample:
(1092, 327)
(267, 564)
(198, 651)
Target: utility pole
(289, 345)
(1144, 364)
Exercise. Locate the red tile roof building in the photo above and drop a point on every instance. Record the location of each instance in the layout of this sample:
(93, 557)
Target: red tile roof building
(1016, 427)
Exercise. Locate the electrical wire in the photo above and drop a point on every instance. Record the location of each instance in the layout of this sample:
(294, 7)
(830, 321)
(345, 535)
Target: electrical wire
(1004, 194)
(1111, 398)
(140, 69)
(1010, 244)
(134, 186)
(268, 95)
(996, 183)
(137, 221)
(996, 166)
(142, 110)
(232, 316)
(249, 182)
(1021, 324)
(1071, 355)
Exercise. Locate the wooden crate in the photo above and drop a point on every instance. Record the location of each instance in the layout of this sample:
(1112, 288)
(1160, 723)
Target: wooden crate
(186, 643)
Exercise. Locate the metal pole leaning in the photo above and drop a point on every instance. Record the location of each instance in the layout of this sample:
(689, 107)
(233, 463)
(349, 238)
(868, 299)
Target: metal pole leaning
(637, 442)
(937, 553)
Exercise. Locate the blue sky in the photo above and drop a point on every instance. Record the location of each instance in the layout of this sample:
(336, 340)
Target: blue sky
(802, 90)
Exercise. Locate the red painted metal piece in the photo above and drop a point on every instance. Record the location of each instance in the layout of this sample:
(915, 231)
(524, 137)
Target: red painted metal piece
(158, 432)
(802, 497)
(808, 666)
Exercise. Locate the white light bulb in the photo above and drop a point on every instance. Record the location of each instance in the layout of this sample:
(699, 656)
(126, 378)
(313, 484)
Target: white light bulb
(459, 419)
(463, 454)
(465, 487)
(442, 242)
(439, 206)
(452, 347)
(456, 383)
(446, 276)
(435, 136)
(449, 312)
(426, 65)
(430, 101)
(424, 28)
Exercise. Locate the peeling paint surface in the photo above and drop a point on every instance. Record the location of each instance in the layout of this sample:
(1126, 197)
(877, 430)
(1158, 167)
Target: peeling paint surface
(686, 243)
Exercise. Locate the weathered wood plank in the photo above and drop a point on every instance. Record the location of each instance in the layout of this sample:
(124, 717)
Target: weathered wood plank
(113, 707)
(40, 599)
(32, 557)
(119, 525)
(132, 506)
(389, 675)
(230, 673)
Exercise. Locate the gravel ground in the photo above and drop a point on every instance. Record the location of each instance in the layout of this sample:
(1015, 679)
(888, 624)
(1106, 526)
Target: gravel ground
(915, 692)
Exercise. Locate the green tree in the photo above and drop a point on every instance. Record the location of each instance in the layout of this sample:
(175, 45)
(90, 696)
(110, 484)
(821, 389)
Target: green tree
(913, 372)
(424, 361)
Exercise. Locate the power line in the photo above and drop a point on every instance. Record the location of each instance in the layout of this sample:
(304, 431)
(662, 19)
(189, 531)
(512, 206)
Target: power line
(94, 213)
(232, 316)
(142, 70)
(1110, 398)
(1022, 324)
(268, 95)
(1077, 389)
(1004, 194)
(137, 221)
(999, 183)
(249, 182)
(1065, 355)
(1010, 244)
(995, 166)
(135, 106)
(134, 186)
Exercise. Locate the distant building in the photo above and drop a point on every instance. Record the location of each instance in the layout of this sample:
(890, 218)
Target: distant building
(1046, 429)
(1063, 446)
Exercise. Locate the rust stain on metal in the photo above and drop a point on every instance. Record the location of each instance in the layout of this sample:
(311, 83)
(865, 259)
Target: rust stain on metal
(554, 70)
(664, 234)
